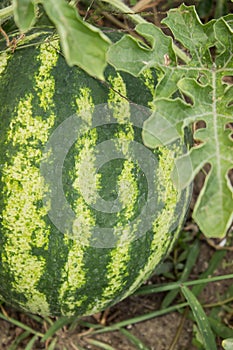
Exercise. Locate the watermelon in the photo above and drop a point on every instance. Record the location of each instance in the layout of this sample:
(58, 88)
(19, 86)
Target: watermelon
(87, 212)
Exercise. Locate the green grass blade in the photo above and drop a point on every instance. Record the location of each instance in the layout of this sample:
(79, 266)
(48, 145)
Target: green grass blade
(213, 264)
(52, 344)
(17, 341)
(31, 342)
(37, 318)
(141, 318)
(134, 340)
(190, 262)
(73, 324)
(100, 344)
(61, 322)
(21, 325)
(174, 285)
(201, 319)
(220, 329)
(90, 325)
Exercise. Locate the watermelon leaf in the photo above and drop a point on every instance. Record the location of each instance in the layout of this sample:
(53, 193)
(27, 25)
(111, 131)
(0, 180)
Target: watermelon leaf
(194, 86)
(24, 13)
(130, 55)
(83, 44)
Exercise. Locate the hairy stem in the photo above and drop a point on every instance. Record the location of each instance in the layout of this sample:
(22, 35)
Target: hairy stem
(138, 20)
(127, 10)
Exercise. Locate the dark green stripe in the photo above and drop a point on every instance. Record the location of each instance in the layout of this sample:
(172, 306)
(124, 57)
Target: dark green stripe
(22, 218)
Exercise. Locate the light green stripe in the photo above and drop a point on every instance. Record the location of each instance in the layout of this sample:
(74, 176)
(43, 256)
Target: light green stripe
(23, 218)
(119, 105)
(128, 189)
(73, 274)
(148, 80)
(45, 84)
(161, 226)
(4, 56)
(86, 183)
(127, 193)
(87, 180)
(123, 139)
(147, 77)
(120, 256)
(25, 126)
(85, 105)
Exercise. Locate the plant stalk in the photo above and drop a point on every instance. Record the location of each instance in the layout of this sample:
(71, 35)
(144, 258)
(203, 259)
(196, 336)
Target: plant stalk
(125, 9)
(9, 11)
(138, 20)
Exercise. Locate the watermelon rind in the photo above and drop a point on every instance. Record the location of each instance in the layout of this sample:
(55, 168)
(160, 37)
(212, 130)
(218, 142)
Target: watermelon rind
(72, 189)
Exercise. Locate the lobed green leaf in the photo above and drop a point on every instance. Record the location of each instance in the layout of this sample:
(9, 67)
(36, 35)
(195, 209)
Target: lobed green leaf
(194, 84)
(133, 56)
(191, 33)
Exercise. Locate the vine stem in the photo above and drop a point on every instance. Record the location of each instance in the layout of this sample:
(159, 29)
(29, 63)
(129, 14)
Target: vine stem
(138, 20)
(9, 11)
(181, 54)
(127, 10)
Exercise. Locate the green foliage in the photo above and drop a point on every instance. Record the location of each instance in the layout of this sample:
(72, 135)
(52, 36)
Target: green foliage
(195, 84)
(217, 8)
(83, 45)
(202, 81)
(227, 344)
(201, 319)
(24, 13)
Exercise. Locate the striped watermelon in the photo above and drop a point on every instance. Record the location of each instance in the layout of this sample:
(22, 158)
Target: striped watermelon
(75, 180)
